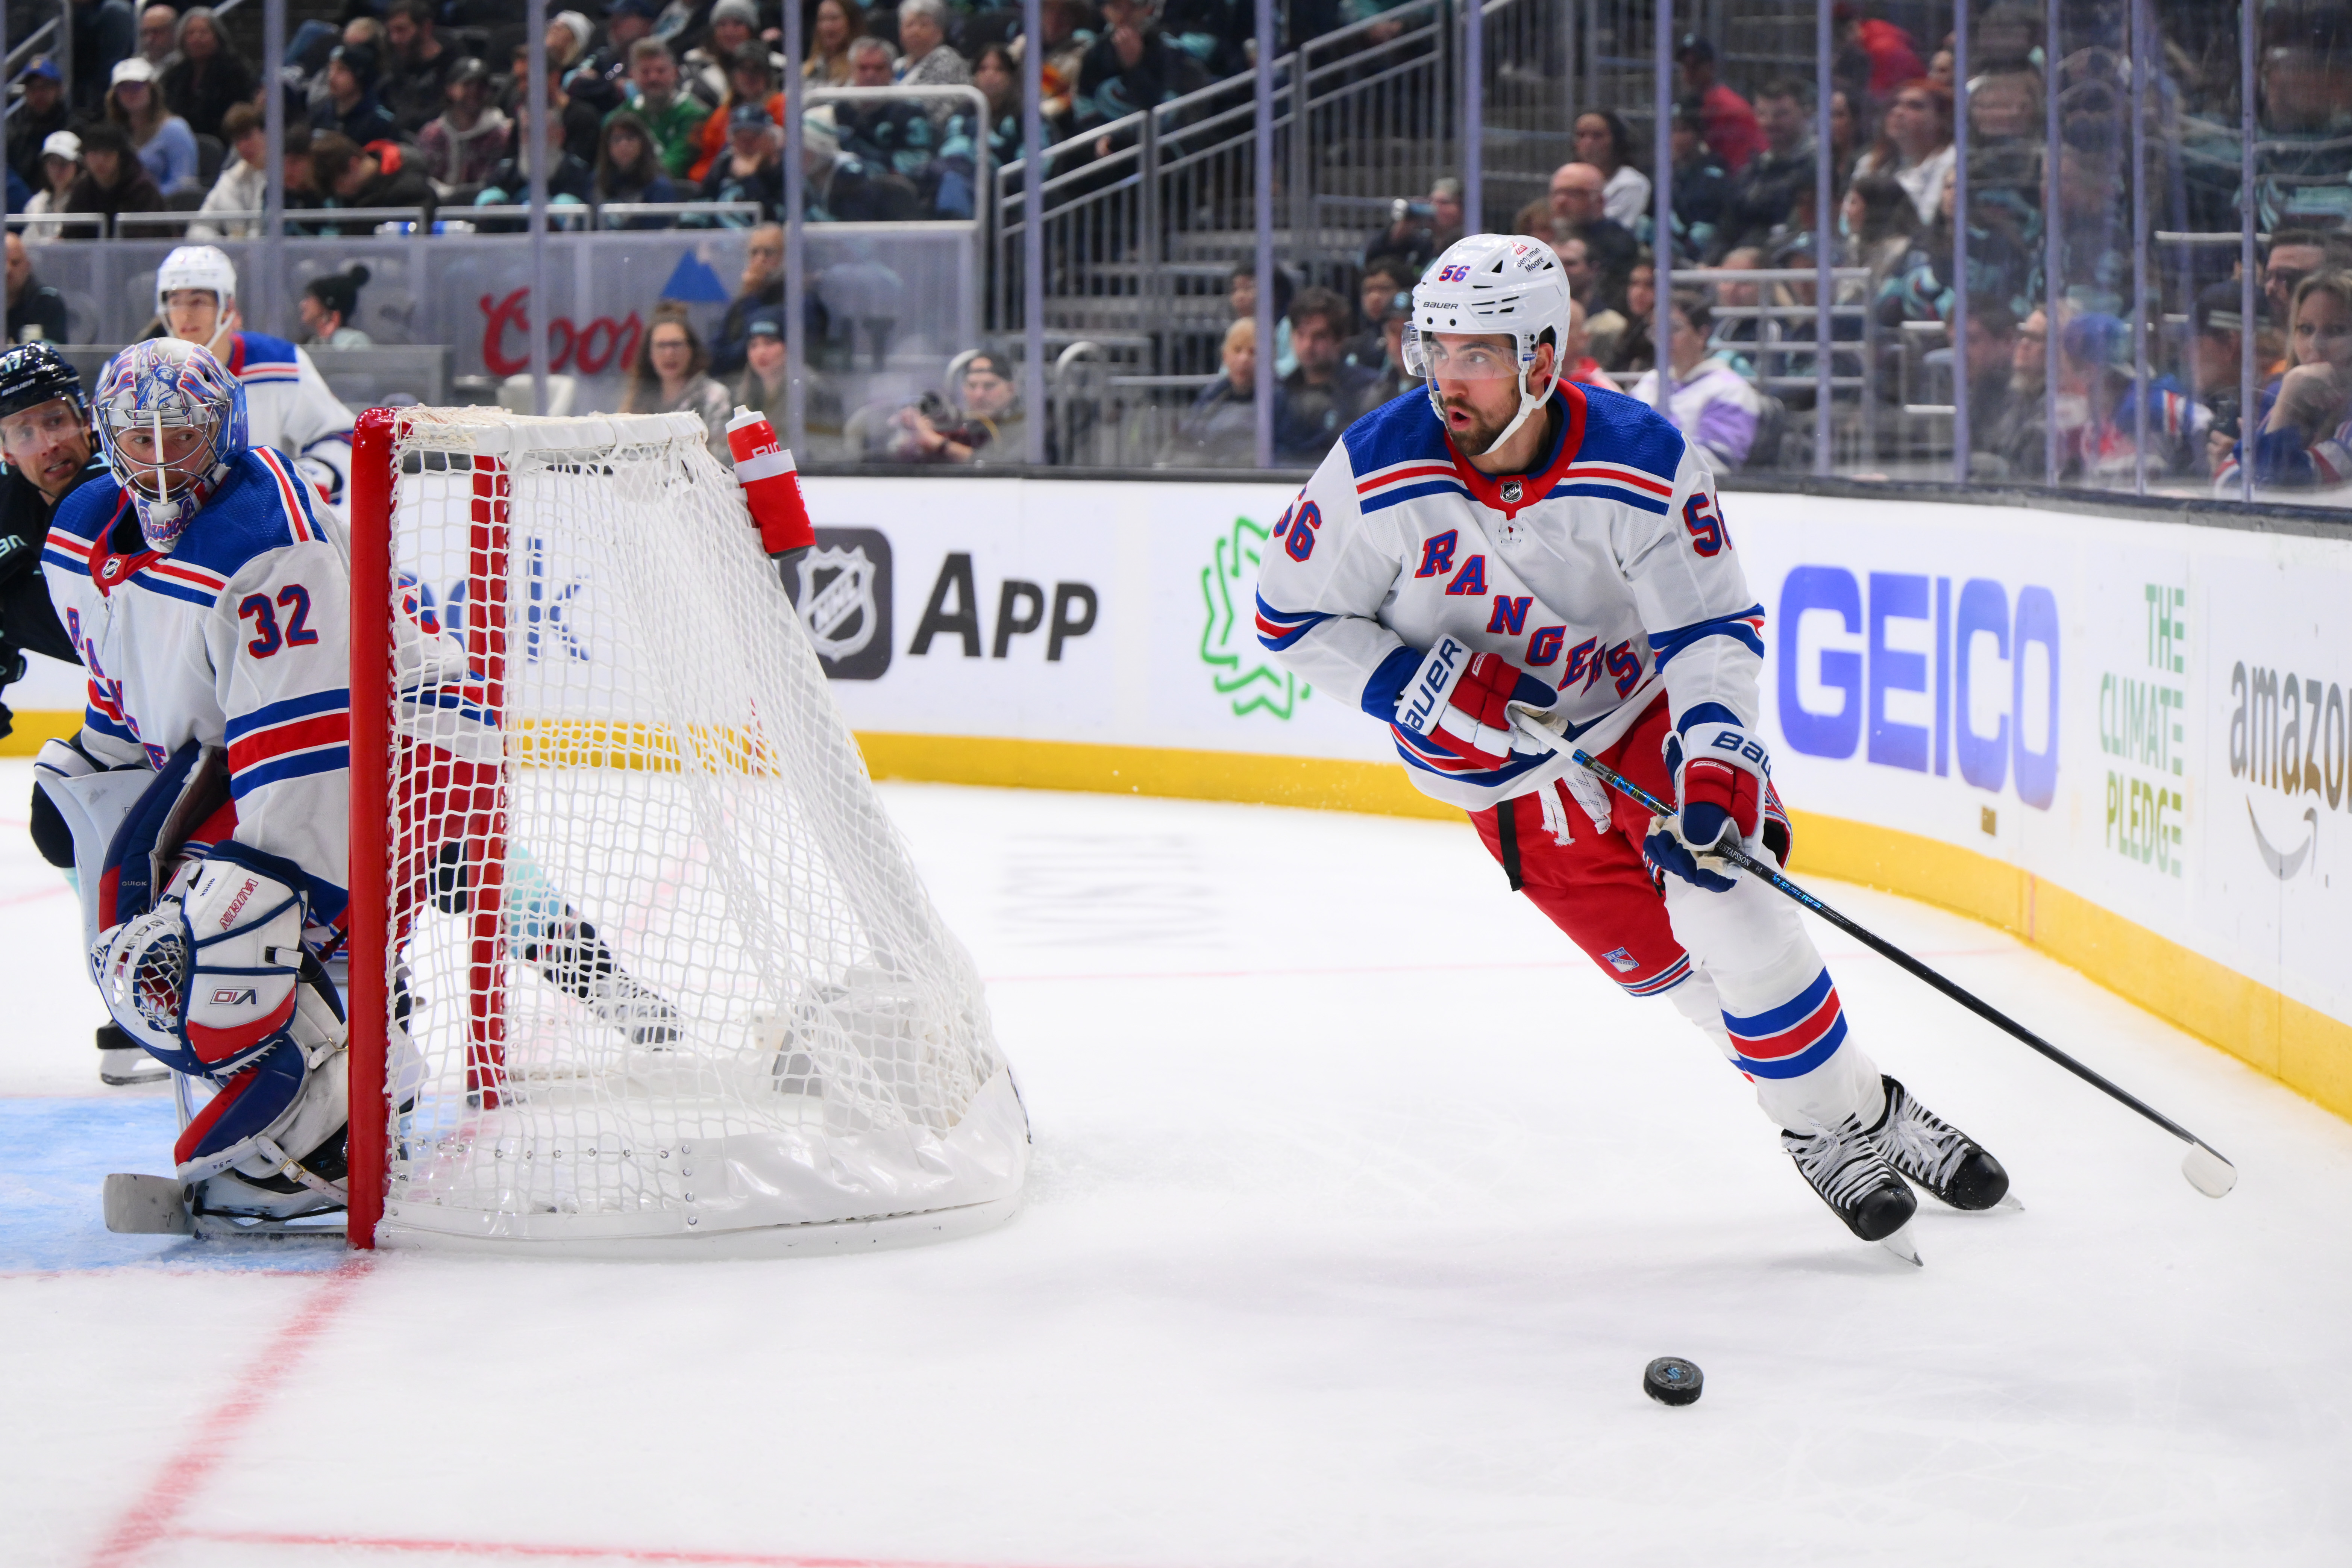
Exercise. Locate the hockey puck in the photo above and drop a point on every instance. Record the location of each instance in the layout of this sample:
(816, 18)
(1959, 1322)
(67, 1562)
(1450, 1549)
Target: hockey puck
(1670, 1380)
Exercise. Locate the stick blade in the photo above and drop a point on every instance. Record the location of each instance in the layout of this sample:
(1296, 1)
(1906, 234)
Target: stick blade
(146, 1206)
(2208, 1171)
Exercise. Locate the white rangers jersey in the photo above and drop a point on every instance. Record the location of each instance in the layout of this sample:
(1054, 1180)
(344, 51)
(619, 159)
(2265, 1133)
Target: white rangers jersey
(288, 406)
(240, 638)
(1606, 574)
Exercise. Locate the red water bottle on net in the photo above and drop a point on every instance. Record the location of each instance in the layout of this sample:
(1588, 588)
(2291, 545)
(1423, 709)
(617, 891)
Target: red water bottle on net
(772, 485)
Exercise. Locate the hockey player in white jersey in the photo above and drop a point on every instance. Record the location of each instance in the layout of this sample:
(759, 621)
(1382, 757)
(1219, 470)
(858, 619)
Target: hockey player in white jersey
(207, 594)
(287, 403)
(1513, 540)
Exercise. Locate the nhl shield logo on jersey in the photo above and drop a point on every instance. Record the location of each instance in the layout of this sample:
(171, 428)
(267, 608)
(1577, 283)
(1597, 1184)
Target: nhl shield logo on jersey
(1512, 490)
(838, 601)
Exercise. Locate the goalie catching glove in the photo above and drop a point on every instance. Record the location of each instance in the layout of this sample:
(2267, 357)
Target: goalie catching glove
(1456, 706)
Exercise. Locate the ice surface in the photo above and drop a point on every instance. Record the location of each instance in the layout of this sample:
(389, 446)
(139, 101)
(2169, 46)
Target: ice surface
(1360, 1204)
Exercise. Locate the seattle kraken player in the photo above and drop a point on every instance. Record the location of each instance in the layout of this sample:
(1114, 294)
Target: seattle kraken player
(1514, 541)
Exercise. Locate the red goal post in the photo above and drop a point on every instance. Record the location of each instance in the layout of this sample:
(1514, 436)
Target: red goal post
(636, 963)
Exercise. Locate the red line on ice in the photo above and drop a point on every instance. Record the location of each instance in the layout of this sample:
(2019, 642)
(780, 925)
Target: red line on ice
(1400, 968)
(423, 1546)
(154, 1518)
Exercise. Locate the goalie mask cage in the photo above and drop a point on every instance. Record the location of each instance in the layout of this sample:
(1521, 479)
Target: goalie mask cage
(637, 964)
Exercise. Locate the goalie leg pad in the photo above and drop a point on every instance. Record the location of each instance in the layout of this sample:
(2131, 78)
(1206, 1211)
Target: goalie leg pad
(269, 1118)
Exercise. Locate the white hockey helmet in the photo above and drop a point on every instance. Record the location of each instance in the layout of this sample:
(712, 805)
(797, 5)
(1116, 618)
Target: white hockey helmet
(197, 267)
(1501, 284)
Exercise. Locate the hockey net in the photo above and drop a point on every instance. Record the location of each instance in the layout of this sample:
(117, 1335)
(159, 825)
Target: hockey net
(636, 957)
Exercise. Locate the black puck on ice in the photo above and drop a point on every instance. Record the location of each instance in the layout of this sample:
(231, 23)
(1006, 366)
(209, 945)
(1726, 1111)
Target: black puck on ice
(1670, 1380)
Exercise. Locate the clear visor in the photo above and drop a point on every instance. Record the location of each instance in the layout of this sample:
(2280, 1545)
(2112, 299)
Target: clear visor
(1448, 357)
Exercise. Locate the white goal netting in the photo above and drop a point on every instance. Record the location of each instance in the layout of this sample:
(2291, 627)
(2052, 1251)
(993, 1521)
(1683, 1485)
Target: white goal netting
(659, 964)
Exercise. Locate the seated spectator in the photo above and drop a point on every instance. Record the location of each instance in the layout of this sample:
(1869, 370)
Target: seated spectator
(1873, 55)
(206, 79)
(1701, 189)
(751, 79)
(1710, 402)
(2098, 408)
(841, 186)
(1325, 393)
(570, 181)
(1133, 66)
(751, 169)
(166, 147)
(1395, 380)
(1726, 121)
(1764, 194)
(733, 24)
(599, 75)
(989, 428)
(36, 310)
(1576, 354)
(1620, 333)
(2303, 421)
(671, 372)
(1220, 429)
(1419, 232)
(326, 306)
(762, 294)
(566, 43)
(627, 171)
(1993, 353)
(839, 23)
(417, 87)
(2216, 337)
(1878, 229)
(61, 167)
(1604, 141)
(1241, 297)
(673, 119)
(764, 387)
(244, 183)
(352, 108)
(1576, 265)
(375, 175)
(1382, 281)
(1578, 204)
(457, 150)
(40, 114)
(997, 73)
(923, 35)
(1070, 35)
(894, 133)
(113, 180)
(1914, 146)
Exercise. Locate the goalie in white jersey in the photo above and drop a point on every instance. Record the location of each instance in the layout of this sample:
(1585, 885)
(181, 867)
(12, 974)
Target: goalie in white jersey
(208, 595)
(1517, 539)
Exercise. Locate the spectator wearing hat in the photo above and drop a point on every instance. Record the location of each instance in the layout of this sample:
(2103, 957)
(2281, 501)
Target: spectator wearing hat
(2217, 328)
(763, 387)
(733, 23)
(601, 77)
(206, 77)
(988, 426)
(672, 118)
(61, 167)
(1724, 118)
(244, 183)
(568, 33)
(416, 84)
(36, 310)
(352, 108)
(457, 151)
(376, 175)
(326, 306)
(751, 79)
(162, 141)
(762, 294)
(751, 169)
(40, 114)
(113, 180)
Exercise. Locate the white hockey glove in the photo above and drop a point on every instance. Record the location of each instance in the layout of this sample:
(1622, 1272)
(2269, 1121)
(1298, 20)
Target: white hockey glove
(207, 980)
(1722, 778)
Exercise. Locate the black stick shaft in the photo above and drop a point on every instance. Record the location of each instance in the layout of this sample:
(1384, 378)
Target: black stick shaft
(1895, 955)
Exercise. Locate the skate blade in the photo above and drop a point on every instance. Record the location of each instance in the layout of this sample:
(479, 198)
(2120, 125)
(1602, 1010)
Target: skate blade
(2008, 1203)
(251, 1228)
(1900, 1245)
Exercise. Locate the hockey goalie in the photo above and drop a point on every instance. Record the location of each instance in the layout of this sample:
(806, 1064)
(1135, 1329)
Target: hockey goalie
(207, 588)
(1517, 552)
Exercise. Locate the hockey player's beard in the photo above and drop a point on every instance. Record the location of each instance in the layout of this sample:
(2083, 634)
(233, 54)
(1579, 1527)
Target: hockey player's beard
(1474, 433)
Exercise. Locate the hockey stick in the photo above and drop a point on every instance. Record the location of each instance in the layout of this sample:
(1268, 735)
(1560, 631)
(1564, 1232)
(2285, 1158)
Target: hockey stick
(2206, 1170)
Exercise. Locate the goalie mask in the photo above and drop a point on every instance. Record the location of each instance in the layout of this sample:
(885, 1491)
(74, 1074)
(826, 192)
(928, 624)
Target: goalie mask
(1503, 285)
(172, 421)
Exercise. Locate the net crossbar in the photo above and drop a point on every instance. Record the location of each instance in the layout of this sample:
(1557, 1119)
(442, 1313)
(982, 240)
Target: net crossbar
(637, 958)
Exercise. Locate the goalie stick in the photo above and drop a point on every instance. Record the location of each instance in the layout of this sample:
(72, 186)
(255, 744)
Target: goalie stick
(2204, 1167)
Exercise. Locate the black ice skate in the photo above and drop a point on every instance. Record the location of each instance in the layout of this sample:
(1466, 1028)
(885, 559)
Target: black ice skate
(1936, 1155)
(1852, 1176)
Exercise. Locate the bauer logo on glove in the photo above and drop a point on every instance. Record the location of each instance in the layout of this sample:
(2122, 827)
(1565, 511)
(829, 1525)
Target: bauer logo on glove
(1454, 713)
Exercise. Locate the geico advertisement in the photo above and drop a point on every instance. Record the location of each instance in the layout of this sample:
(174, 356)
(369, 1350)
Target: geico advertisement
(1115, 614)
(2150, 715)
